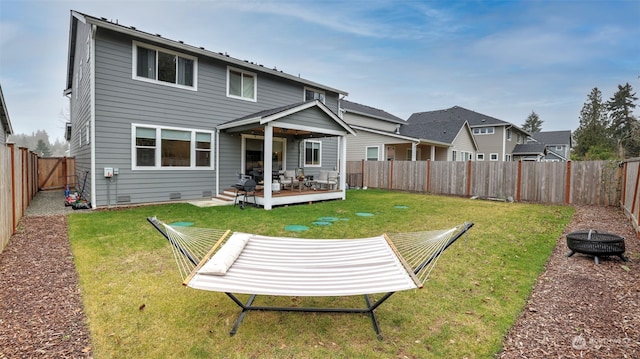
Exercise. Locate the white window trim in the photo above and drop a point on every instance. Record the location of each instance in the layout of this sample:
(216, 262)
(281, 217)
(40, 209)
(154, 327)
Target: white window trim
(479, 156)
(494, 154)
(366, 151)
(134, 62)
(304, 93)
(478, 130)
(255, 84)
(304, 149)
(158, 152)
(87, 133)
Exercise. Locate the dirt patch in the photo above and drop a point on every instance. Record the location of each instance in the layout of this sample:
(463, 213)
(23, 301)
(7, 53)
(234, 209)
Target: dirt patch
(41, 313)
(577, 309)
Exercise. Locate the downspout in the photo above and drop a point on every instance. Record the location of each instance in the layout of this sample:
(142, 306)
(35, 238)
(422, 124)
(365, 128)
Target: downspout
(92, 120)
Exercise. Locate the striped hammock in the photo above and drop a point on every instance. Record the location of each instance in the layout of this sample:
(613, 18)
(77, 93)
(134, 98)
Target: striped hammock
(244, 263)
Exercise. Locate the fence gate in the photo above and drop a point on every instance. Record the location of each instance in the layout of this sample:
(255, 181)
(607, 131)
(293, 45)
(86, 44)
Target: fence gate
(55, 173)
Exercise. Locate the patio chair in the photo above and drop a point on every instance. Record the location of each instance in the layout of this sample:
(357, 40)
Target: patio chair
(328, 178)
(289, 178)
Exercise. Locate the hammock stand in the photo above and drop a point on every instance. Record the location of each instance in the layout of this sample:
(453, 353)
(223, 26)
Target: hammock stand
(199, 264)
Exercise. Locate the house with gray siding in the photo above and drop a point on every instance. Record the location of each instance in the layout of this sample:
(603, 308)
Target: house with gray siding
(495, 139)
(439, 126)
(380, 136)
(154, 119)
(558, 144)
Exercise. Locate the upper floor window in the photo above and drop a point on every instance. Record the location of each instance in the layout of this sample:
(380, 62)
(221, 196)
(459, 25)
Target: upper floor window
(313, 94)
(480, 157)
(312, 153)
(484, 131)
(493, 157)
(164, 66)
(509, 134)
(241, 84)
(159, 147)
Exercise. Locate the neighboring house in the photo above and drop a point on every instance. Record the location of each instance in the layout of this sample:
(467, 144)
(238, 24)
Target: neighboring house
(153, 119)
(446, 128)
(496, 139)
(5, 123)
(558, 144)
(380, 136)
(529, 152)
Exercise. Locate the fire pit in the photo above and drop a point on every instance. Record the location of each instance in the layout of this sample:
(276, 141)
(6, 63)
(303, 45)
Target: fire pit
(596, 244)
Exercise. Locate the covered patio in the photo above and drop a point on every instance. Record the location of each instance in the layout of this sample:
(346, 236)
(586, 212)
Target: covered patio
(306, 137)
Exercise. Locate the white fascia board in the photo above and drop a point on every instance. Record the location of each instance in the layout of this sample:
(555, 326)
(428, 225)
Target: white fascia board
(390, 134)
(303, 107)
(248, 121)
(373, 116)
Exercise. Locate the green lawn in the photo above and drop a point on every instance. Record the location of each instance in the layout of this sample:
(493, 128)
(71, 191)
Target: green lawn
(137, 307)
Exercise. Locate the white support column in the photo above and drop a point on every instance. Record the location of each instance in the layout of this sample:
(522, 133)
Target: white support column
(343, 166)
(433, 153)
(268, 164)
(414, 149)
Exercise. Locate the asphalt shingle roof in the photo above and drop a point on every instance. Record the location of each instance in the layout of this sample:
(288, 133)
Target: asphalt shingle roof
(370, 111)
(434, 126)
(553, 137)
(523, 149)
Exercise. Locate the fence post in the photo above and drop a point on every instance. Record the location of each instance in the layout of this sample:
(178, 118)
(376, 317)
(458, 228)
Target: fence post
(428, 189)
(14, 223)
(635, 192)
(362, 170)
(391, 176)
(519, 181)
(567, 193)
(624, 182)
(469, 178)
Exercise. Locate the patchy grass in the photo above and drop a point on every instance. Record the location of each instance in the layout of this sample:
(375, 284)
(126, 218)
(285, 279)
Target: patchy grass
(137, 306)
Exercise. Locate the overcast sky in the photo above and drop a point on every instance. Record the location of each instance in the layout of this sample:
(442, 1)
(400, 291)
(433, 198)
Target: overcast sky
(504, 59)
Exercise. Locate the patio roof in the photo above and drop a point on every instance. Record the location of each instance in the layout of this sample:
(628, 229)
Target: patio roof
(259, 119)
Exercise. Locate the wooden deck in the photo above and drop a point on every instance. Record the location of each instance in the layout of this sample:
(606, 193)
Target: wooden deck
(288, 196)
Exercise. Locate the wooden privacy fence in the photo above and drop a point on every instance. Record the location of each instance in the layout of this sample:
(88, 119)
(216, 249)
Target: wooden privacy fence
(631, 191)
(18, 186)
(589, 182)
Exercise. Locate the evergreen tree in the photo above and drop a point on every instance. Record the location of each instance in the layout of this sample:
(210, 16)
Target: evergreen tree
(623, 125)
(42, 149)
(592, 134)
(533, 123)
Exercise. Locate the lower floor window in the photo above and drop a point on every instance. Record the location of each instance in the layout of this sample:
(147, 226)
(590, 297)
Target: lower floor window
(372, 153)
(161, 147)
(312, 153)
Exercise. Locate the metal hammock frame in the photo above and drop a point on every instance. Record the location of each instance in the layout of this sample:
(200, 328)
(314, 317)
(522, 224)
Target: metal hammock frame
(416, 252)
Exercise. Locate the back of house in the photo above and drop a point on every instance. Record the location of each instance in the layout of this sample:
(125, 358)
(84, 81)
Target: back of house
(146, 113)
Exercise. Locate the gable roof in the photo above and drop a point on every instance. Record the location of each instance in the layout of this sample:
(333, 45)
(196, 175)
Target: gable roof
(553, 137)
(4, 115)
(457, 112)
(158, 39)
(474, 119)
(266, 116)
(368, 111)
(439, 126)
